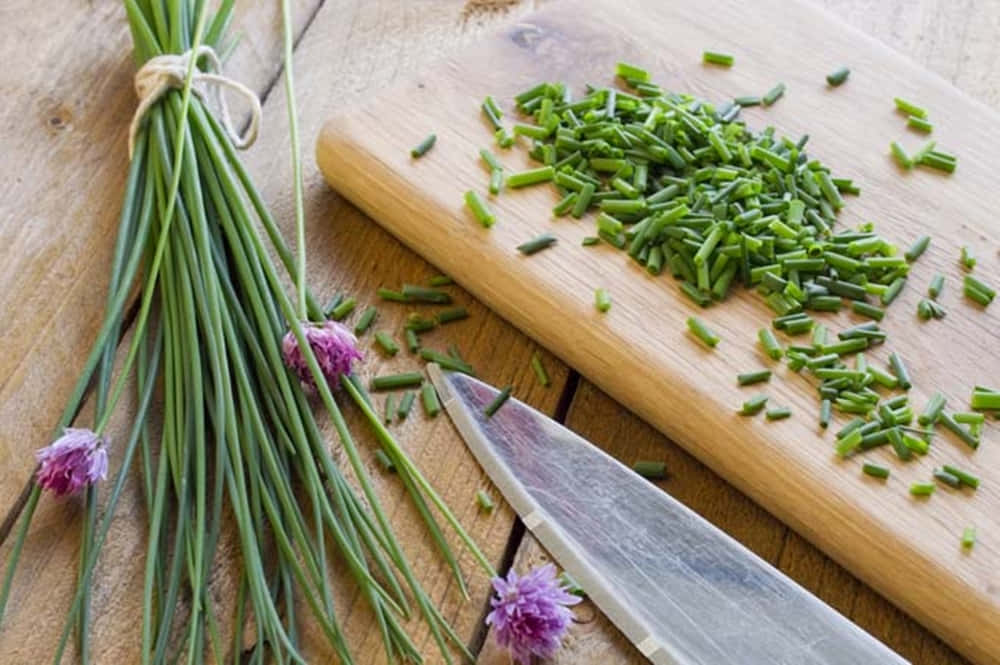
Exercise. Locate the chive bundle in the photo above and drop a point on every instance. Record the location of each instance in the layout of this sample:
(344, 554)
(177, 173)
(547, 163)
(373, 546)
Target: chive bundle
(240, 442)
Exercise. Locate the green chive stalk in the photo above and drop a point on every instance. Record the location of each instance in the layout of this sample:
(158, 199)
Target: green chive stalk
(239, 440)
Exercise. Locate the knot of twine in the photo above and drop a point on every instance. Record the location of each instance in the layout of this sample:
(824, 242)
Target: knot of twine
(163, 72)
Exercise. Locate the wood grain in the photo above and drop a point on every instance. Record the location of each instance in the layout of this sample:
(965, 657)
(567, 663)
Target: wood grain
(348, 253)
(663, 376)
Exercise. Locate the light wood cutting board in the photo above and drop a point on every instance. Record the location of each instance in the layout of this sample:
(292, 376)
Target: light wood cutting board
(640, 353)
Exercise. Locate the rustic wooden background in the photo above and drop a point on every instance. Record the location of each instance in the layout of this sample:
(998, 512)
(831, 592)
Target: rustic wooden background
(66, 82)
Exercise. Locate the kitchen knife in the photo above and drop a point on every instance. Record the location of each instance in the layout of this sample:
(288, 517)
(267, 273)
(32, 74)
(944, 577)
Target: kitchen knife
(683, 591)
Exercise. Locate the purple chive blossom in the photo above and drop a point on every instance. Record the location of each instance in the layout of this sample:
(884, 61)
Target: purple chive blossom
(530, 613)
(333, 344)
(77, 459)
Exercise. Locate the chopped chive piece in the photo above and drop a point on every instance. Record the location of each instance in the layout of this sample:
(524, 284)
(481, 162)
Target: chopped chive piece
(924, 150)
(937, 283)
(429, 397)
(918, 446)
(849, 443)
(387, 344)
(590, 240)
(958, 431)
(850, 427)
(537, 244)
(540, 373)
(893, 291)
(452, 314)
(838, 76)
(424, 294)
(504, 139)
(969, 418)
(716, 58)
(943, 476)
(899, 369)
(565, 205)
(920, 124)
(365, 320)
(702, 332)
(490, 103)
(583, 200)
(424, 146)
(602, 300)
(985, 399)
(631, 73)
(750, 378)
(412, 341)
(909, 108)
(971, 281)
(334, 301)
(968, 258)
(918, 247)
(896, 441)
(753, 405)
(864, 309)
(419, 324)
(491, 161)
(339, 312)
(825, 413)
(496, 181)
(405, 403)
(936, 161)
(963, 476)
(922, 489)
(900, 155)
(440, 280)
(389, 294)
(875, 471)
(530, 177)
(650, 469)
(479, 208)
(498, 401)
(935, 405)
(770, 343)
(779, 413)
(980, 297)
(390, 407)
(447, 362)
(773, 95)
(484, 501)
(747, 101)
(968, 537)
(384, 460)
(394, 381)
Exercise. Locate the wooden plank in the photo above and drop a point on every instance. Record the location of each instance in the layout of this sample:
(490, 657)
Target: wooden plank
(953, 34)
(593, 639)
(640, 353)
(350, 253)
(70, 69)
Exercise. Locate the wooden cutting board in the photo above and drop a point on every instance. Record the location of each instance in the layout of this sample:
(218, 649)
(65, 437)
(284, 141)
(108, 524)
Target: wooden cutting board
(640, 352)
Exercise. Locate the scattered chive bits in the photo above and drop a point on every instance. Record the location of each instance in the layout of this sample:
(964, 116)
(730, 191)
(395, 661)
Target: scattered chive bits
(968, 537)
(875, 470)
(773, 95)
(978, 291)
(750, 378)
(909, 108)
(651, 469)
(753, 406)
(345, 307)
(429, 398)
(778, 413)
(899, 154)
(602, 300)
(702, 332)
(838, 77)
(395, 381)
(498, 402)
(922, 489)
(484, 501)
(386, 343)
(452, 314)
(365, 320)
(384, 460)
(919, 124)
(405, 404)
(716, 58)
(967, 258)
(537, 244)
(539, 369)
(424, 146)
(479, 209)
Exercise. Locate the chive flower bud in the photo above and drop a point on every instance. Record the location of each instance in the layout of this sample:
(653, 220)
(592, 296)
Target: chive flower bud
(531, 613)
(77, 459)
(335, 347)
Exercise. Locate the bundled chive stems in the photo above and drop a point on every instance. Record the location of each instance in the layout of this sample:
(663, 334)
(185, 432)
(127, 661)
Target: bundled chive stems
(238, 441)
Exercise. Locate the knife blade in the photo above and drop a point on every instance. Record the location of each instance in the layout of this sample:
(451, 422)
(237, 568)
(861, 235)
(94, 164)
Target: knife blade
(680, 589)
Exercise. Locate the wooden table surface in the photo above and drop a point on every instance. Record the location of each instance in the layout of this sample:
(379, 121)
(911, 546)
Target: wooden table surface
(66, 82)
